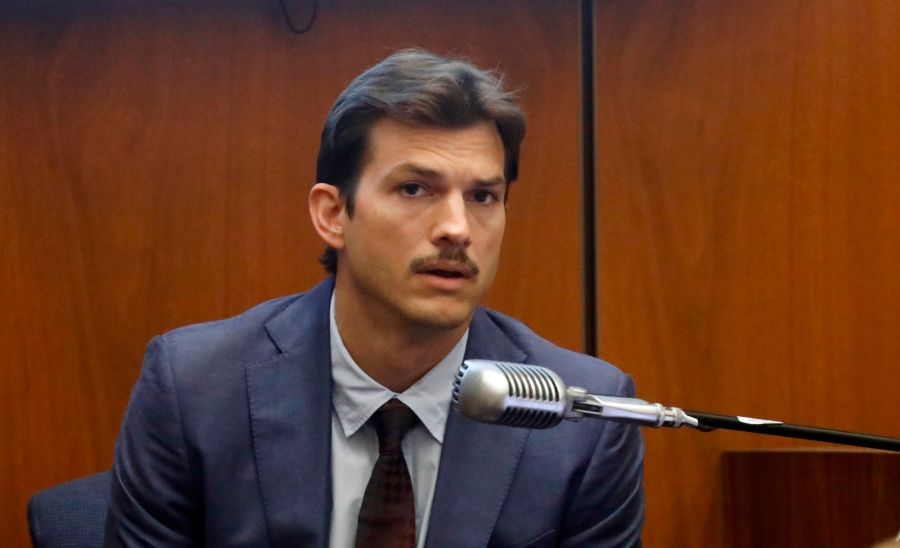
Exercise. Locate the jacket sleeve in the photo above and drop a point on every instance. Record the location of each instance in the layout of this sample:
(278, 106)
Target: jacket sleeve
(154, 496)
(608, 507)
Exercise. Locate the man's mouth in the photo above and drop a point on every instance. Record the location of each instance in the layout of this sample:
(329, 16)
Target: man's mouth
(445, 273)
(451, 271)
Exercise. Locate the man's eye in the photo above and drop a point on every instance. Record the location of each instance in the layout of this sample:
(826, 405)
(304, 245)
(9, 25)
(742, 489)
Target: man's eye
(484, 197)
(412, 189)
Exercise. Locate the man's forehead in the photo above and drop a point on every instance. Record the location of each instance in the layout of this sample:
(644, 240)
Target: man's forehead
(387, 126)
(415, 148)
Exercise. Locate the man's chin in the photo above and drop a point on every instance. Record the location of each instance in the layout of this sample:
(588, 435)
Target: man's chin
(444, 318)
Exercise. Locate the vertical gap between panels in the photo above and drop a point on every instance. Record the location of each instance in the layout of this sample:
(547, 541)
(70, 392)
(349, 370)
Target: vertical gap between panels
(588, 176)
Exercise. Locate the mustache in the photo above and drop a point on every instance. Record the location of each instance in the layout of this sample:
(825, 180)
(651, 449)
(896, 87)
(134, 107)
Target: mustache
(454, 255)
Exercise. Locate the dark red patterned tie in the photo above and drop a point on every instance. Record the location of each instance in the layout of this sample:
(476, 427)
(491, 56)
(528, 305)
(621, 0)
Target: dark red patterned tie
(387, 517)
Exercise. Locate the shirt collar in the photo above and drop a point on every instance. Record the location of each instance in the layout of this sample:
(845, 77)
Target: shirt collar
(357, 396)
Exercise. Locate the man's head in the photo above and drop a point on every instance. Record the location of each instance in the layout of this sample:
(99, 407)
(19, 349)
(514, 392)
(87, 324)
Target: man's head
(418, 88)
(416, 158)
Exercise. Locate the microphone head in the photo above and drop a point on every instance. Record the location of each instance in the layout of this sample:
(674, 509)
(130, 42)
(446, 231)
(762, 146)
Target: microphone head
(511, 394)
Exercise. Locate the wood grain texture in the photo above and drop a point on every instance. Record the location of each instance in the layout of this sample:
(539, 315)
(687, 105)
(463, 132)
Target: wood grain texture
(154, 163)
(749, 225)
(782, 499)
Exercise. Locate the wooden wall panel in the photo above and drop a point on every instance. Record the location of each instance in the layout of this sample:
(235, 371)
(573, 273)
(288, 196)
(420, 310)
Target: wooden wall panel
(749, 225)
(154, 163)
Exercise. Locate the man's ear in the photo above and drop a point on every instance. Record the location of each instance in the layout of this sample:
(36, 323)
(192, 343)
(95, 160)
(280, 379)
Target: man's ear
(328, 214)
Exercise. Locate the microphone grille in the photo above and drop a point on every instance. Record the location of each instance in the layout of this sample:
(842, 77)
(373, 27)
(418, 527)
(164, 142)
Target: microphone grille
(510, 394)
(457, 381)
(531, 384)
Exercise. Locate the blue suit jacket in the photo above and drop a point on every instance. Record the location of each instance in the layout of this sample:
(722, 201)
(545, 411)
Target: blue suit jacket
(227, 440)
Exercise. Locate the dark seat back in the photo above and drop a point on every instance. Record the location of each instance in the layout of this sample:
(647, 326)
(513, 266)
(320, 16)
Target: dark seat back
(70, 515)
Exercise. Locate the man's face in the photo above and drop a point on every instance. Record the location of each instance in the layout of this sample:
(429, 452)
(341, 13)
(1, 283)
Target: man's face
(423, 243)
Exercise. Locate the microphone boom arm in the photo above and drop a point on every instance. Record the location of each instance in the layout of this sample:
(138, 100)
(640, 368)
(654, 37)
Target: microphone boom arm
(637, 411)
(709, 422)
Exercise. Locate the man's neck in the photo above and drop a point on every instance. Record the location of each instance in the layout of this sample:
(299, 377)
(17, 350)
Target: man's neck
(393, 353)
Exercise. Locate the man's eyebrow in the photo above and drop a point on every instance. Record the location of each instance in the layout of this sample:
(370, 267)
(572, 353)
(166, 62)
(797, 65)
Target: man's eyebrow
(493, 181)
(428, 173)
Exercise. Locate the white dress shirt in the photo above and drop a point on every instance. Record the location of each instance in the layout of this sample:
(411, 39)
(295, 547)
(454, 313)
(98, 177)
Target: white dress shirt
(354, 443)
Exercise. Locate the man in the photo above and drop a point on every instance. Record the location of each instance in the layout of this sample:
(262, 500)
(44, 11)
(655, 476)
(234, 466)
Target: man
(268, 429)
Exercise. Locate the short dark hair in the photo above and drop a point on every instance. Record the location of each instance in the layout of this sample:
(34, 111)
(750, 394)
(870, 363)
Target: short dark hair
(420, 88)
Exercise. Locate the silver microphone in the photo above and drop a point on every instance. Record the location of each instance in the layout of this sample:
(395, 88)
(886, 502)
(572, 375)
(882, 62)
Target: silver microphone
(530, 396)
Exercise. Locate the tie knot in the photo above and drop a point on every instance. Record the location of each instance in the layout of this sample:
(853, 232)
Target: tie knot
(392, 421)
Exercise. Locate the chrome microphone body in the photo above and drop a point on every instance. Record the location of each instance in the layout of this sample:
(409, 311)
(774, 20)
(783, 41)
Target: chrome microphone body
(630, 410)
(531, 396)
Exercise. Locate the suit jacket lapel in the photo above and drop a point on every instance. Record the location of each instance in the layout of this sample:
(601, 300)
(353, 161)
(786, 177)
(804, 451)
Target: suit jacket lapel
(478, 461)
(290, 412)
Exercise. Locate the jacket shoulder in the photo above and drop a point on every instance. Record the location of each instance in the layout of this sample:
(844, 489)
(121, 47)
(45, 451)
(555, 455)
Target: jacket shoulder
(240, 339)
(575, 368)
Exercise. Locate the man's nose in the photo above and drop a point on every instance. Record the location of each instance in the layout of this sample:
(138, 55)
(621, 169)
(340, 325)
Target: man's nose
(451, 228)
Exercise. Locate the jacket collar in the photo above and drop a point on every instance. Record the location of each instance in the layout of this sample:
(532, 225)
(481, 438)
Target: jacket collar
(290, 415)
